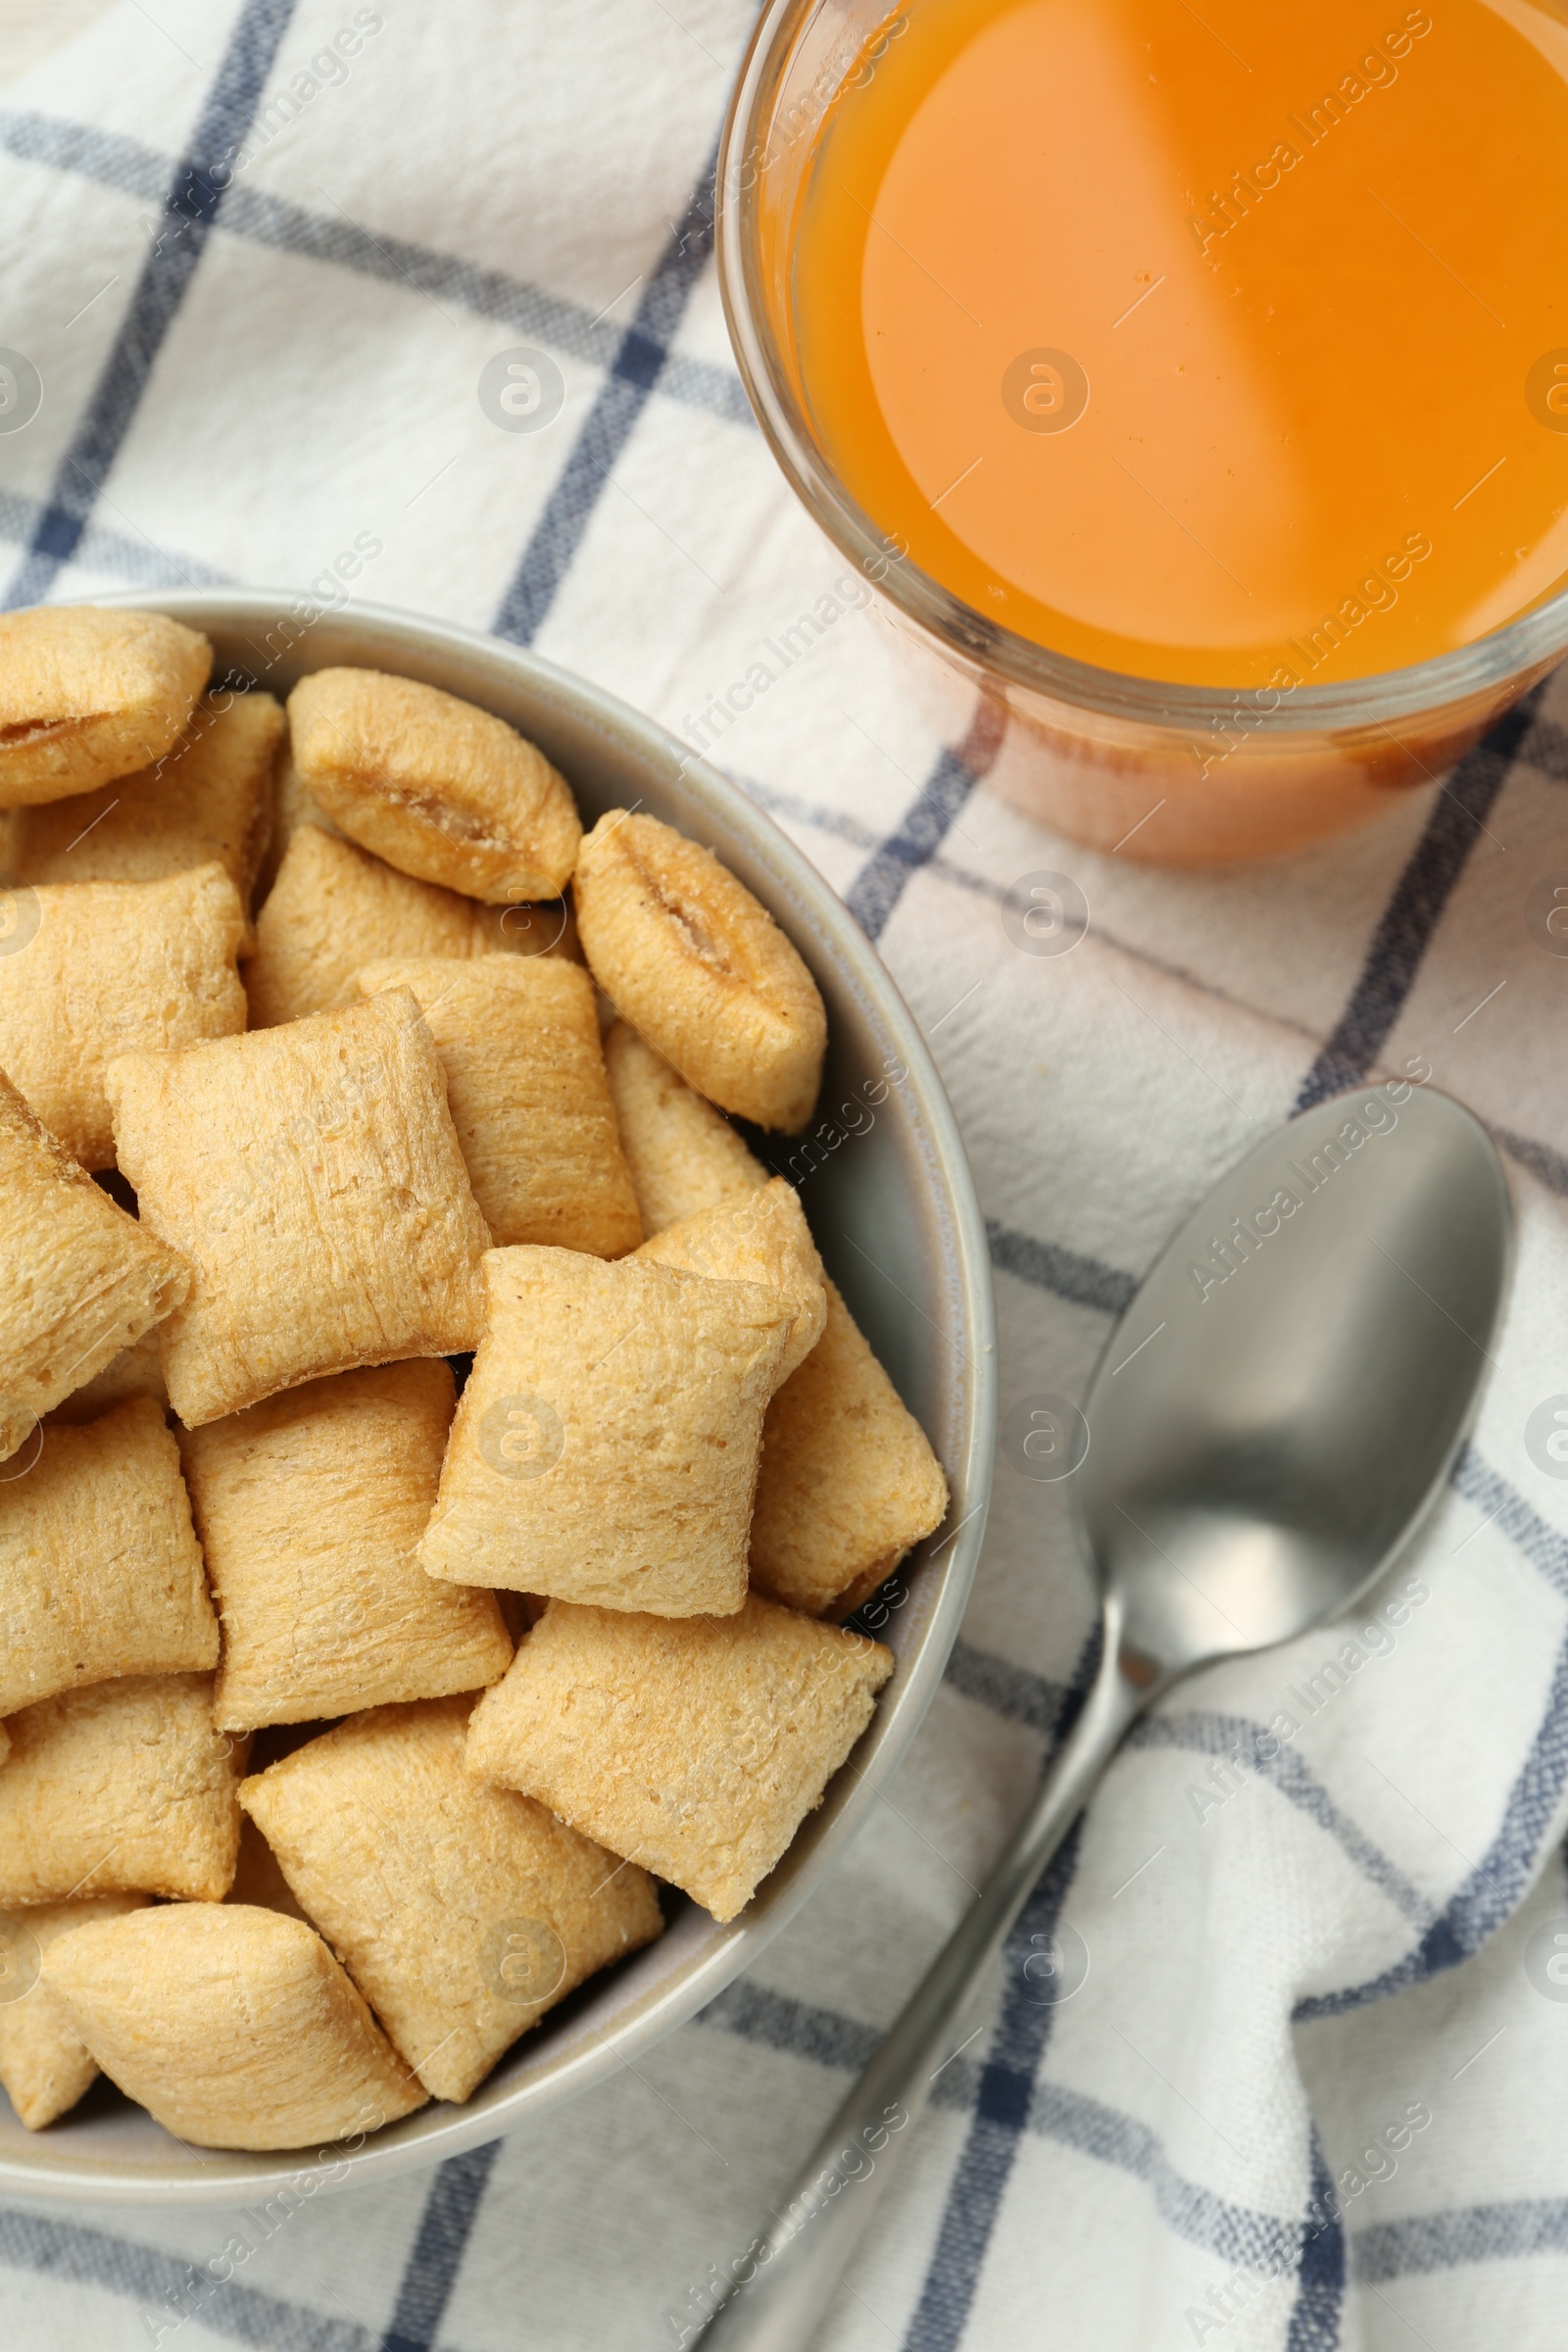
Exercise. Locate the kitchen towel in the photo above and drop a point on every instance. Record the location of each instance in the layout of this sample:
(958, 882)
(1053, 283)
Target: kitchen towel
(1279, 2052)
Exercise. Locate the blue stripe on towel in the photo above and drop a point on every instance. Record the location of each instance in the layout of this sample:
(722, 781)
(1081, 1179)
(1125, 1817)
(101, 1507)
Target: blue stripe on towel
(263, 218)
(445, 2227)
(887, 873)
(1547, 1165)
(1214, 1735)
(1494, 1889)
(1320, 2272)
(1448, 2241)
(1006, 2091)
(1235, 2235)
(1232, 2234)
(638, 364)
(1411, 917)
(776, 2021)
(106, 549)
(191, 203)
(105, 156)
(1543, 1545)
(796, 809)
(1083, 1281)
(166, 2290)
(1011, 1691)
(1003, 2094)
(1544, 1161)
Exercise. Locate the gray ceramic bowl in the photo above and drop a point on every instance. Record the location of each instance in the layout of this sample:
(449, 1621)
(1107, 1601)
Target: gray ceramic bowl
(894, 1211)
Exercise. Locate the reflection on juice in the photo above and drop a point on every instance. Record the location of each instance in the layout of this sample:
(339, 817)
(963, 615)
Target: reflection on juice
(1215, 348)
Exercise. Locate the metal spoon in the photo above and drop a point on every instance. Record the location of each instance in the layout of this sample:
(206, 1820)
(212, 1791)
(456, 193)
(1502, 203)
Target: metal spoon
(1274, 1414)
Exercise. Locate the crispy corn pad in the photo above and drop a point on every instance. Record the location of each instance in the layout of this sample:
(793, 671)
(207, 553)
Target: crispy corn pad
(115, 967)
(699, 969)
(435, 786)
(696, 1749)
(312, 1178)
(309, 1507)
(120, 1787)
(334, 908)
(233, 2027)
(211, 798)
(683, 1155)
(518, 1040)
(462, 1912)
(754, 1236)
(849, 1482)
(79, 1280)
(43, 2065)
(99, 1570)
(605, 1445)
(87, 694)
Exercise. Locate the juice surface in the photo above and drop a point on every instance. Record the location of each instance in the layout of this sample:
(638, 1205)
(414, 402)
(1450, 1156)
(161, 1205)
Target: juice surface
(1208, 348)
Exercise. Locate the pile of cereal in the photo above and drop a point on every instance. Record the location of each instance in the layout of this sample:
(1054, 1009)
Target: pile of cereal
(260, 1172)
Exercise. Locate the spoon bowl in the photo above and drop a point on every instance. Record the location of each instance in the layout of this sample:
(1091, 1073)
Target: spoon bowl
(1285, 1395)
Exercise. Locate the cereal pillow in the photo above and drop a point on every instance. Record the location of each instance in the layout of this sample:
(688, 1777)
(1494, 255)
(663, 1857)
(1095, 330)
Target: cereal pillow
(312, 1179)
(605, 1445)
(87, 693)
(433, 785)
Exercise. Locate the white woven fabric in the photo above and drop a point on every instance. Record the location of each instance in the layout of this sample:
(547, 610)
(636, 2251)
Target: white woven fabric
(260, 271)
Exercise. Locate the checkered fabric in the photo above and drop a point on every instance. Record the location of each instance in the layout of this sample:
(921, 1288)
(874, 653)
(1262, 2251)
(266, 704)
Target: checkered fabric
(1310, 2092)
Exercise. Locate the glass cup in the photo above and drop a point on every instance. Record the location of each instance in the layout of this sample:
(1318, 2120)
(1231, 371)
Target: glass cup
(1175, 775)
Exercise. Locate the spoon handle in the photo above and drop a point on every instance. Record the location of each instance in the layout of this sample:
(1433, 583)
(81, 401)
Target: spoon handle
(779, 2288)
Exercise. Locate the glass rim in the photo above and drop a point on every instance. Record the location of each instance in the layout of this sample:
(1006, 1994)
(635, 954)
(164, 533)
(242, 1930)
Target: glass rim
(1523, 647)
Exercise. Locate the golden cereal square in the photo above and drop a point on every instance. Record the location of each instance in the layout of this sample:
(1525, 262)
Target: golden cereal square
(518, 1039)
(87, 693)
(79, 1280)
(310, 1507)
(43, 2065)
(684, 1155)
(436, 786)
(755, 1236)
(605, 1447)
(233, 2026)
(211, 798)
(334, 908)
(695, 1748)
(849, 1482)
(99, 1570)
(462, 1912)
(119, 1788)
(108, 968)
(312, 1179)
(699, 969)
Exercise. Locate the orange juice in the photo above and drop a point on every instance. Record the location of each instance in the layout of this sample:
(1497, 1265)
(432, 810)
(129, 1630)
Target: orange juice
(1221, 345)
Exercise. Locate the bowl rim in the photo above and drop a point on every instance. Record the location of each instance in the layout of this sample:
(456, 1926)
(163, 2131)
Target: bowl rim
(224, 2178)
(1504, 661)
